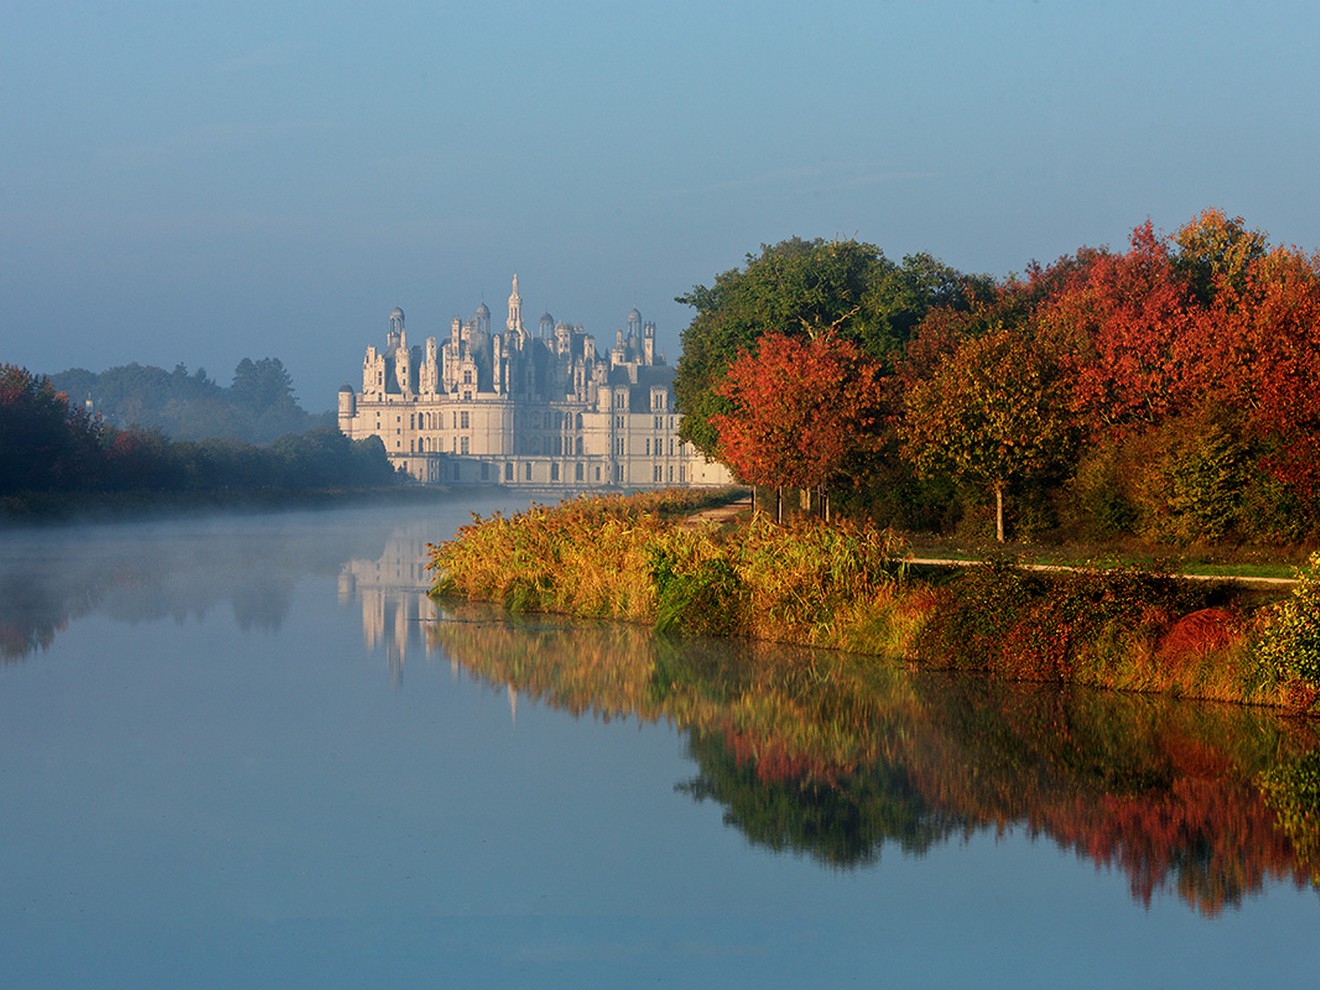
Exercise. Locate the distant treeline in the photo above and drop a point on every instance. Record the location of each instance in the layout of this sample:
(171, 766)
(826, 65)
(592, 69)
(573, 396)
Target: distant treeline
(49, 444)
(257, 407)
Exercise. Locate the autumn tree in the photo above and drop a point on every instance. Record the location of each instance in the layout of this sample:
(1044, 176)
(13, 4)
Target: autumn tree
(1260, 354)
(796, 288)
(803, 412)
(1122, 320)
(995, 412)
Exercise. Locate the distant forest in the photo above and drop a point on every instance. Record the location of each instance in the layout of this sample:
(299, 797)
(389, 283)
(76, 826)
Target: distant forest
(51, 444)
(259, 405)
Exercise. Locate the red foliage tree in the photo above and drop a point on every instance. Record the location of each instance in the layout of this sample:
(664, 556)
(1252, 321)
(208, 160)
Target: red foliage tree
(1260, 348)
(807, 413)
(1124, 320)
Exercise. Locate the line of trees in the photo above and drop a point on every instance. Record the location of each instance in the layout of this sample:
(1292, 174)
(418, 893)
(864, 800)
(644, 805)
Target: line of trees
(1170, 391)
(51, 445)
(258, 406)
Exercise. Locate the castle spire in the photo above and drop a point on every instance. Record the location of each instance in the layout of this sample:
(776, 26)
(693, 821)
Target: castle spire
(515, 323)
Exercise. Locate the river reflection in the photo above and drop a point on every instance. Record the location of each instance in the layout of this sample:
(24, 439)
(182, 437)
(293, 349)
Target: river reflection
(182, 569)
(837, 758)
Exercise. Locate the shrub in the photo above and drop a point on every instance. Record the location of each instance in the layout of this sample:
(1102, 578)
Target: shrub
(1289, 645)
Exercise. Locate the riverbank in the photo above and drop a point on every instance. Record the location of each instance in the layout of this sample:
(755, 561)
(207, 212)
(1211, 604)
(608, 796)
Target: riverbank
(853, 589)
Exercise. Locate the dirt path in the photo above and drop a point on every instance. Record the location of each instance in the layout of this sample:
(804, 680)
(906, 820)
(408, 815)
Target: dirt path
(719, 514)
(1254, 582)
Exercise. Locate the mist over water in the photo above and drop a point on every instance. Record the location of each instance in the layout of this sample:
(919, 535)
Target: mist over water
(248, 750)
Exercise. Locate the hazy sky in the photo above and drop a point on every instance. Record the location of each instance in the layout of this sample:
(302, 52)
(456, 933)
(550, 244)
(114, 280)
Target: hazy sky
(199, 182)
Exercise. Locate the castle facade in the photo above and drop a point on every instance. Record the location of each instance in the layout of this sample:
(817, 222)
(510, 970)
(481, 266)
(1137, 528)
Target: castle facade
(542, 410)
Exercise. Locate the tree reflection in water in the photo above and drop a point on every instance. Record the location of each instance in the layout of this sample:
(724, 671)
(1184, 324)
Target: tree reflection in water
(836, 757)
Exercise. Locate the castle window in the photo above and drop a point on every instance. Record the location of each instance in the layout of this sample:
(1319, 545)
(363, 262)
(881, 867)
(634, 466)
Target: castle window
(467, 377)
(463, 420)
(648, 446)
(577, 472)
(554, 472)
(508, 470)
(527, 471)
(463, 445)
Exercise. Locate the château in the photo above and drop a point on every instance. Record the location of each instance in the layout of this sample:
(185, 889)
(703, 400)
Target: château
(544, 410)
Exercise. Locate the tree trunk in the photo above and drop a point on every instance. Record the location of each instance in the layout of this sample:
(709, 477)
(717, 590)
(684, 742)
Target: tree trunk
(999, 511)
(753, 501)
(779, 506)
(825, 504)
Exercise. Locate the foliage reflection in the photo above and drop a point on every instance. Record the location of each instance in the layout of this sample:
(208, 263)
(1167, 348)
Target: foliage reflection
(824, 755)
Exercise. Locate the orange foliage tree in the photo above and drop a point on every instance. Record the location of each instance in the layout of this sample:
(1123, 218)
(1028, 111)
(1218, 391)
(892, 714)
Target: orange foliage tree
(993, 413)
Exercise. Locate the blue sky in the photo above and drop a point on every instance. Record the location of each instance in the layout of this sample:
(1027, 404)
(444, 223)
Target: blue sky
(197, 183)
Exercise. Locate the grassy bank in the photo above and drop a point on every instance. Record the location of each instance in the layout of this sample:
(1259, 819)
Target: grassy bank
(846, 587)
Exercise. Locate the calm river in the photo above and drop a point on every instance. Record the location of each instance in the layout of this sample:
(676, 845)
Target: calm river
(247, 751)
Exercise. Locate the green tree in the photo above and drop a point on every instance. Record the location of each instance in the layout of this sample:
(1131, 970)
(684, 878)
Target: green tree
(788, 288)
(1216, 251)
(263, 385)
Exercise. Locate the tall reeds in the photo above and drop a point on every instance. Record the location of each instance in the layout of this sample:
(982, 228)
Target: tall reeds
(844, 586)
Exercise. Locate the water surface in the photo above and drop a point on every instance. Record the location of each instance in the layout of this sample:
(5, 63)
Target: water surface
(248, 751)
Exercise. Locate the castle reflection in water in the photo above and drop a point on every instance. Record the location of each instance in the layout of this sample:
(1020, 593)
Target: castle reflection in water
(396, 610)
(392, 594)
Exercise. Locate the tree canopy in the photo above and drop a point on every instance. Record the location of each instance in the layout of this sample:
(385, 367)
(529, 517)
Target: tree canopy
(797, 288)
(259, 406)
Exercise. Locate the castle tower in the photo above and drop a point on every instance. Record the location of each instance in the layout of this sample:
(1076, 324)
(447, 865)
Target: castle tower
(483, 319)
(394, 337)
